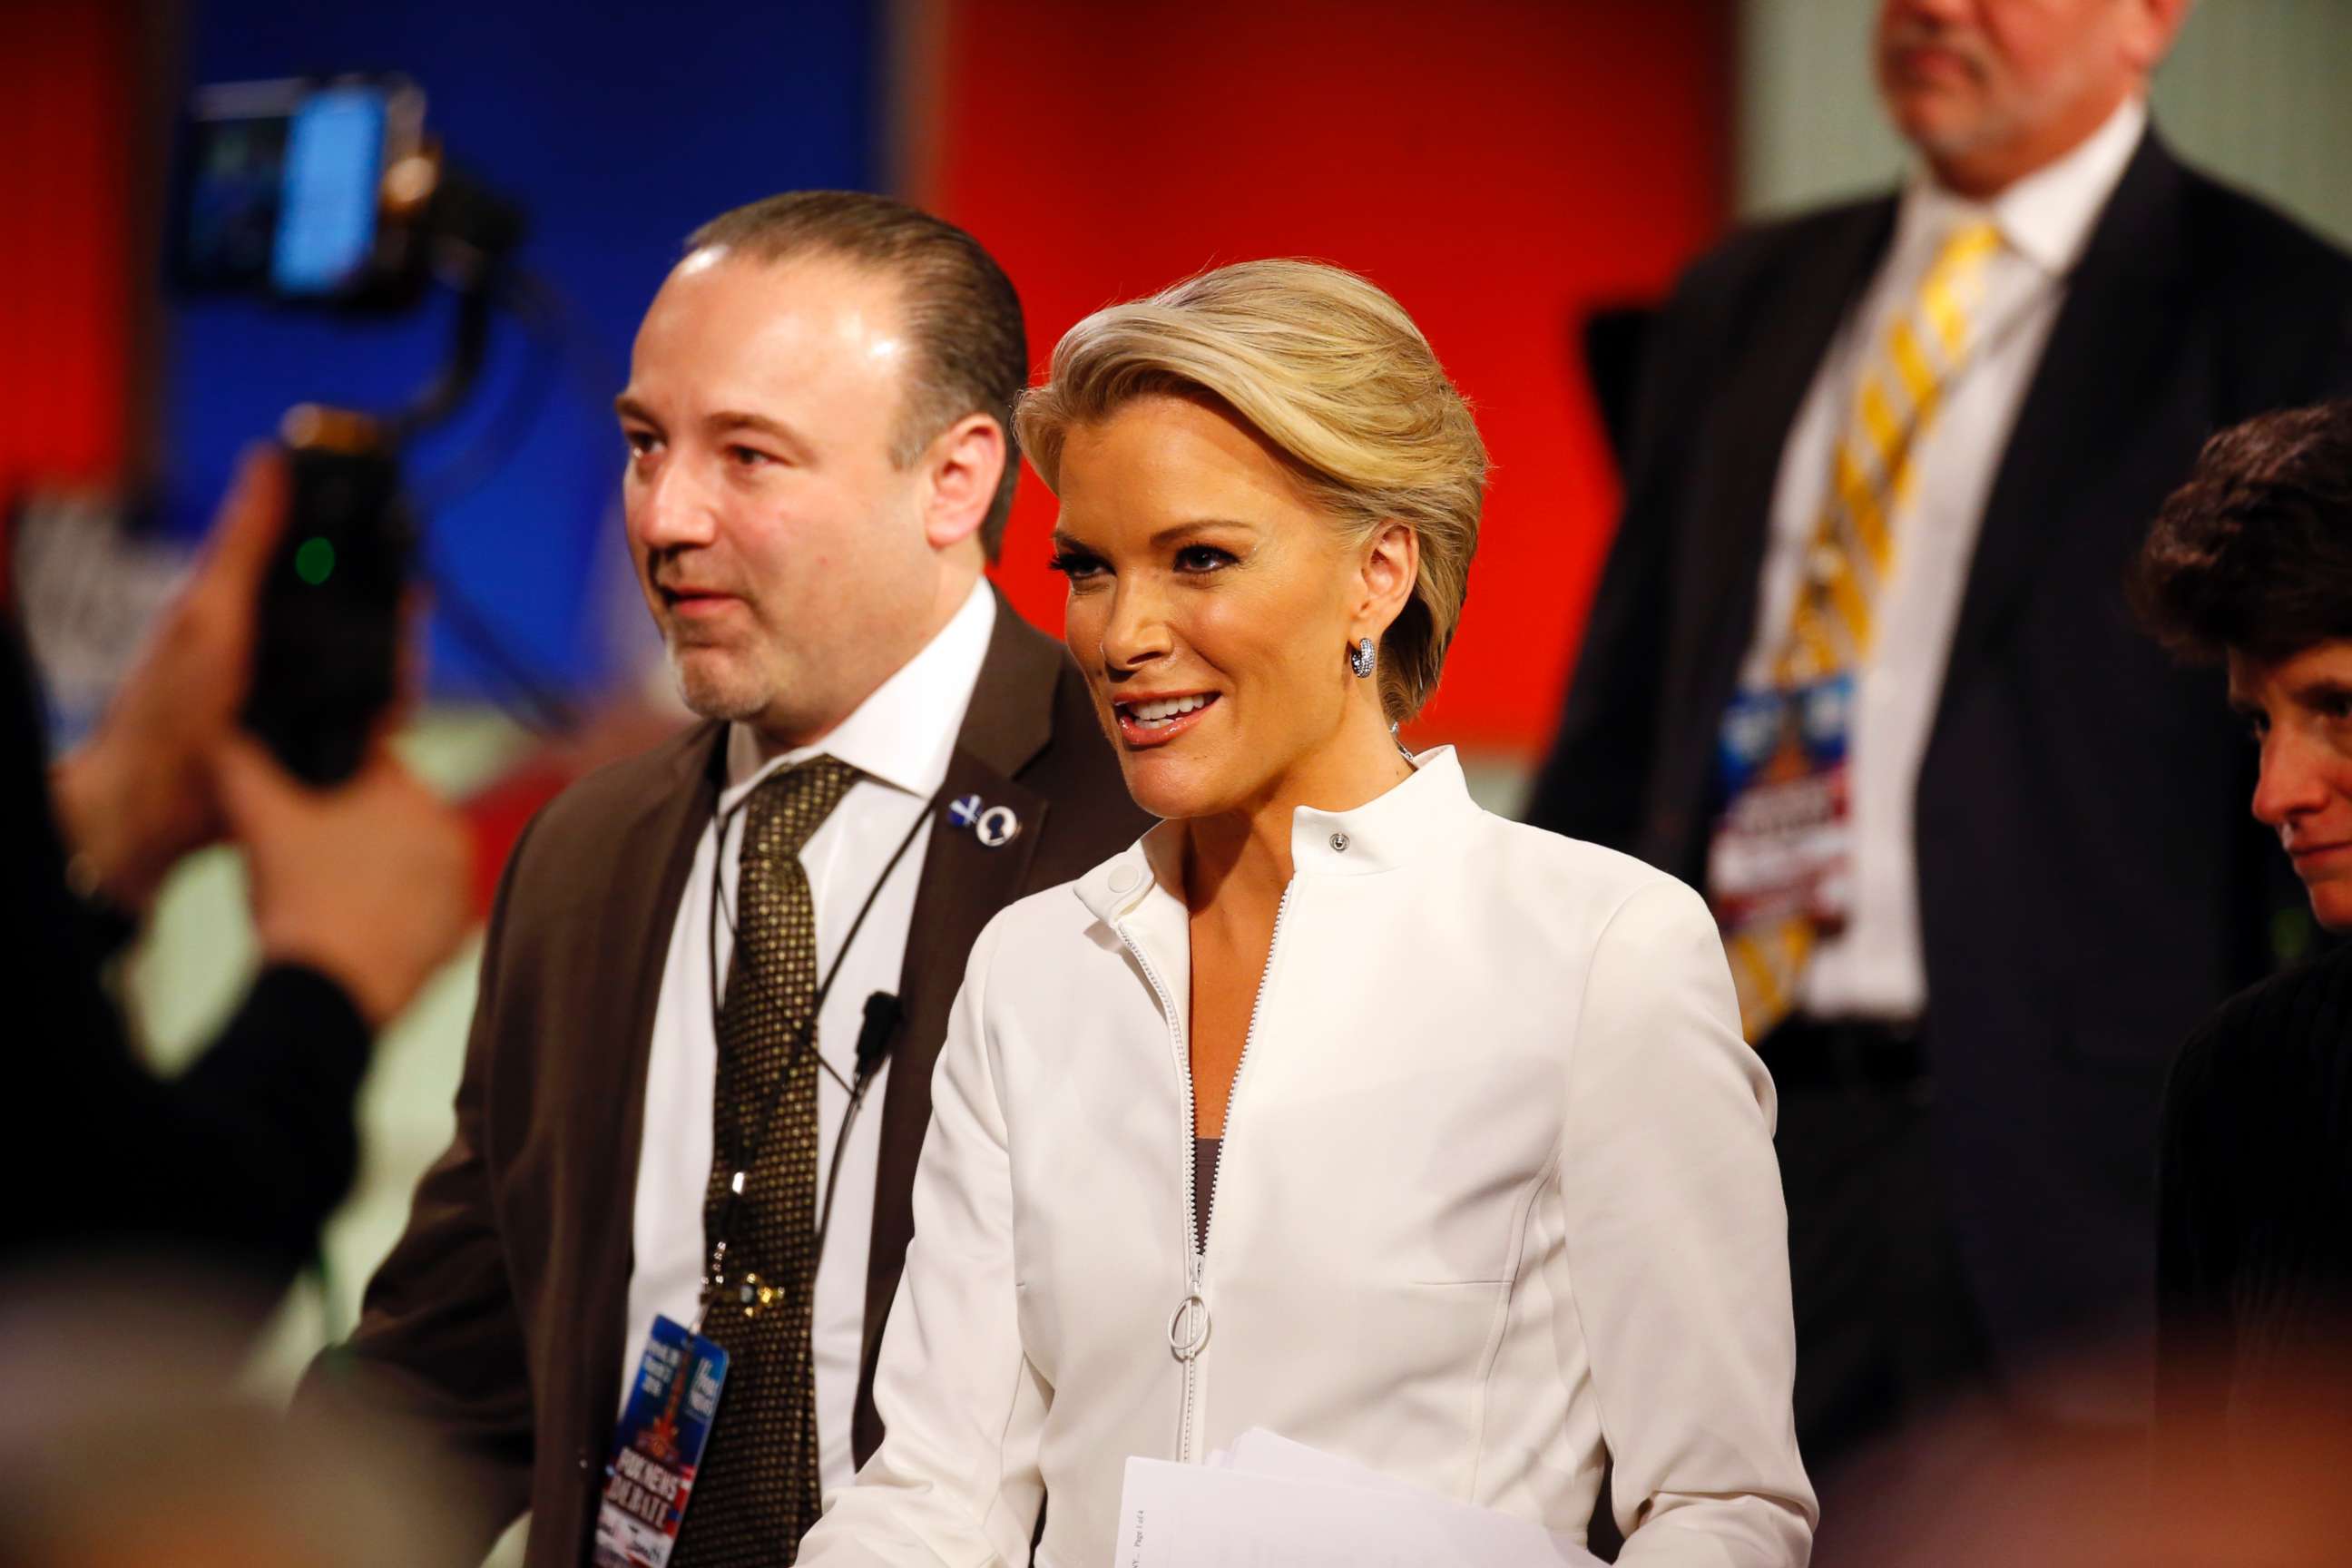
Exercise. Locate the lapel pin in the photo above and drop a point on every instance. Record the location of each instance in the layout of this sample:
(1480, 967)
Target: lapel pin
(993, 825)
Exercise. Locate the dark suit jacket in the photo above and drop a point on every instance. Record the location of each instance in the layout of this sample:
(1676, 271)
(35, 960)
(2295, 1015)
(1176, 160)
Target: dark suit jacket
(2090, 884)
(497, 1321)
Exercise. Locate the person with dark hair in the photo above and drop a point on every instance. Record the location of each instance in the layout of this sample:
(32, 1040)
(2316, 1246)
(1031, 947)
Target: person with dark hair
(2251, 563)
(704, 961)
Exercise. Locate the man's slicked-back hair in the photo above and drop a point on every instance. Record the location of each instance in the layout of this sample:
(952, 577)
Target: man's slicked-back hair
(2253, 554)
(972, 349)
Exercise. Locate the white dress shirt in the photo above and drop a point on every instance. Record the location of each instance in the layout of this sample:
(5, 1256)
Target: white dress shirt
(899, 739)
(1874, 969)
(1495, 1204)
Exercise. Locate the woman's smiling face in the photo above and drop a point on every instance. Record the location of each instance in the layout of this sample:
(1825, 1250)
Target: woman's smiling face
(1211, 605)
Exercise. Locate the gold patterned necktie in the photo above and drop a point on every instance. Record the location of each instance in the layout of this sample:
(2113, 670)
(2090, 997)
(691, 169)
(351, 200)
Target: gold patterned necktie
(757, 1490)
(1850, 553)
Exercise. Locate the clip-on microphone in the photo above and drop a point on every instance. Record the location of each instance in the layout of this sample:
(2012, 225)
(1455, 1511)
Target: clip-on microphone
(883, 1011)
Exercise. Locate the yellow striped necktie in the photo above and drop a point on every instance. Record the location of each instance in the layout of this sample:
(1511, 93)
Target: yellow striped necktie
(1850, 553)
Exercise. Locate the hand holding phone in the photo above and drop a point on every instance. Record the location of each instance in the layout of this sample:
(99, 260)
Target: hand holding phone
(137, 794)
(327, 643)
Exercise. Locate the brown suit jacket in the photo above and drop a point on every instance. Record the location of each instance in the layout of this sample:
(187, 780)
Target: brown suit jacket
(497, 1323)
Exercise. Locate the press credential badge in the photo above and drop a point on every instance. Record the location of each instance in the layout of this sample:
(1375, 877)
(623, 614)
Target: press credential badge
(664, 1429)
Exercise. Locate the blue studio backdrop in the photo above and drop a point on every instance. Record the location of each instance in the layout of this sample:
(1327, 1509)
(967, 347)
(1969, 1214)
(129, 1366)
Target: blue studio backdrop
(617, 129)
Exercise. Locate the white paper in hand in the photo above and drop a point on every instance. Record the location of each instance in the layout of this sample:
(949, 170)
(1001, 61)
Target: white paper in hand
(1263, 1453)
(1279, 1502)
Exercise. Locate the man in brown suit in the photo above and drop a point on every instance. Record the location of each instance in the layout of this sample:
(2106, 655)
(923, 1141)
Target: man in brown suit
(820, 461)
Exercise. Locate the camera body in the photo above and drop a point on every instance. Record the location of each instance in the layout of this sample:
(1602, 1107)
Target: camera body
(327, 649)
(326, 193)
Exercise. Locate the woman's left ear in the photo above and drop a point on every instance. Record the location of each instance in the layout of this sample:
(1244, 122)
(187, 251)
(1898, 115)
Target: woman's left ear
(1391, 565)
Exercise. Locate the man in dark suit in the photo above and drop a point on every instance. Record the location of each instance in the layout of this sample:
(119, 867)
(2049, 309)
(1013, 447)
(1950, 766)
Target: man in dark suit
(1860, 666)
(820, 459)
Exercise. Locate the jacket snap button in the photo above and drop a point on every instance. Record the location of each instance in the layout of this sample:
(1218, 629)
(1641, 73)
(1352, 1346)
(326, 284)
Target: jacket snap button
(1340, 842)
(1122, 880)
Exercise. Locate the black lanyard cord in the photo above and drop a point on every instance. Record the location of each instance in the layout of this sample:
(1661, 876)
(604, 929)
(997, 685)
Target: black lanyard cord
(804, 1039)
(882, 1014)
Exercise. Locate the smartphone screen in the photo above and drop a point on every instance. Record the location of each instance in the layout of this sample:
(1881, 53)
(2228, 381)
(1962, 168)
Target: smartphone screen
(278, 190)
(327, 216)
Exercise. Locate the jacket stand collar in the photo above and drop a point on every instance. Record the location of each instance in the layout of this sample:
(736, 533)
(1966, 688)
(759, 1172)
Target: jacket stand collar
(1419, 816)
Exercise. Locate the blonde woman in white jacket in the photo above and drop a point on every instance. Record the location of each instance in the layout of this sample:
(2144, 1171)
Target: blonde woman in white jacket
(1335, 1106)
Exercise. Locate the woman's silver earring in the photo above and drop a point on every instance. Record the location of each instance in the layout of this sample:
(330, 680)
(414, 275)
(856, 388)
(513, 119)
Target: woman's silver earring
(1360, 658)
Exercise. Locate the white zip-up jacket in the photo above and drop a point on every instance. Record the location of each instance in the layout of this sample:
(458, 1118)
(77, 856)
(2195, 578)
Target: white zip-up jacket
(1496, 1201)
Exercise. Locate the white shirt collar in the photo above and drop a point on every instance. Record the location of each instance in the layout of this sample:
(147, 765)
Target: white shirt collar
(2047, 216)
(904, 733)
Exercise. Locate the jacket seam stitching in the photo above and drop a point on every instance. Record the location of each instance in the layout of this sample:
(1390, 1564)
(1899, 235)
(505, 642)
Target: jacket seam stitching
(1505, 1306)
(980, 974)
(1560, 1159)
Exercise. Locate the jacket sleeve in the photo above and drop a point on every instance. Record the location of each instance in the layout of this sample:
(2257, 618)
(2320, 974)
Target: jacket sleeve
(956, 1479)
(240, 1159)
(439, 1348)
(270, 1144)
(1677, 1252)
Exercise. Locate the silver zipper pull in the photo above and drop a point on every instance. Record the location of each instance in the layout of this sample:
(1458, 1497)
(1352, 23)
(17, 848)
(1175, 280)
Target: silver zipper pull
(1188, 1327)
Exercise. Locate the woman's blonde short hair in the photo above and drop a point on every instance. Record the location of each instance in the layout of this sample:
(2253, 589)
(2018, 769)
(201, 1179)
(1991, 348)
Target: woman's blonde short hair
(1331, 372)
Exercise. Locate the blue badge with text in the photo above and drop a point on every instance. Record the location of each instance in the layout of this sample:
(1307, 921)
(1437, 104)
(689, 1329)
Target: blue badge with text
(664, 1429)
(1782, 843)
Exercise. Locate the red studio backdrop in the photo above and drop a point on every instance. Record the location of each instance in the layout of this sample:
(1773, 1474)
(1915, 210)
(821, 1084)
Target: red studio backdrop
(1501, 166)
(64, 278)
